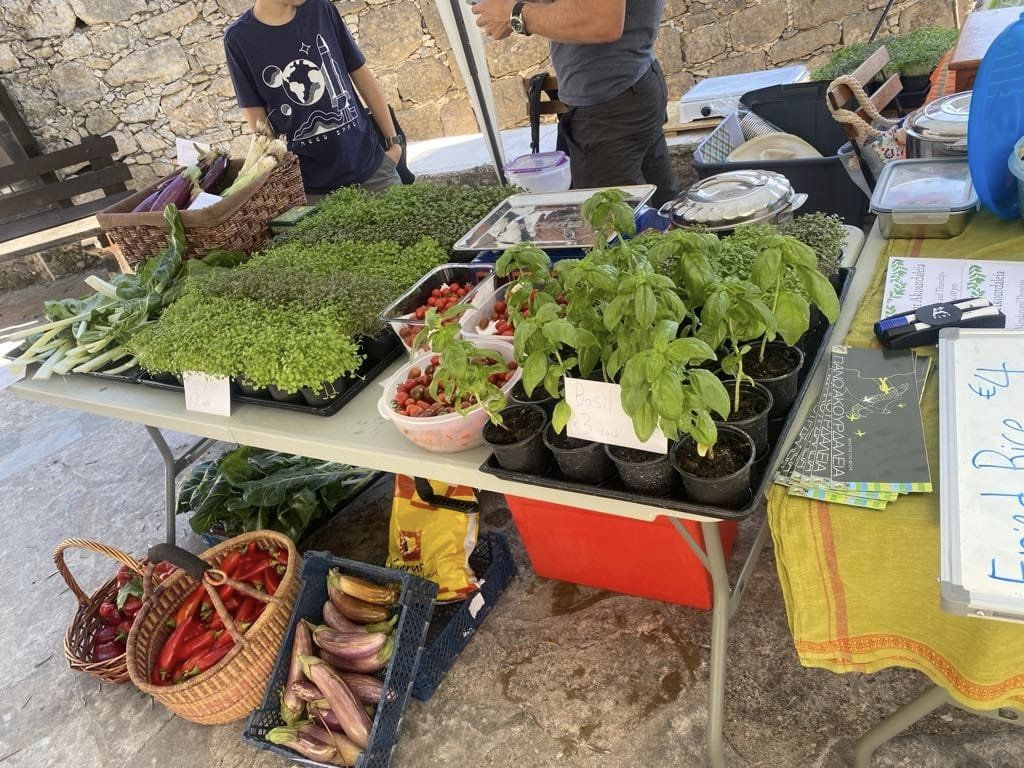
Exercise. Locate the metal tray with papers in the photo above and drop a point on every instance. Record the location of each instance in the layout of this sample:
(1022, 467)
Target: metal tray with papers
(549, 220)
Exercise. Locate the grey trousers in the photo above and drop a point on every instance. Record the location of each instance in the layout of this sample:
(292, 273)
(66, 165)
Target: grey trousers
(385, 176)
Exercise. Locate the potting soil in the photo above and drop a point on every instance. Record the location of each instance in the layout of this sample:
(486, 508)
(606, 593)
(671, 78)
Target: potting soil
(634, 456)
(563, 441)
(515, 427)
(752, 404)
(731, 454)
(778, 361)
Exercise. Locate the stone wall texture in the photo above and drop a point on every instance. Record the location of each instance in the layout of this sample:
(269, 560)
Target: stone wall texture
(145, 71)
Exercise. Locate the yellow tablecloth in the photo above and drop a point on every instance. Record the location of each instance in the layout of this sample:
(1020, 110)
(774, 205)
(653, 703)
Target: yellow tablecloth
(861, 586)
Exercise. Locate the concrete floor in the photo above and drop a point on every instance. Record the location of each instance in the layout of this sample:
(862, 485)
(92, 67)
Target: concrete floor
(558, 676)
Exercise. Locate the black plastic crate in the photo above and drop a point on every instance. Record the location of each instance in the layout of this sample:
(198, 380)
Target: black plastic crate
(816, 345)
(454, 625)
(416, 601)
(800, 109)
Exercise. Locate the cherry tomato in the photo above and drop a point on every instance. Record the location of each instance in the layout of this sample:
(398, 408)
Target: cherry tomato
(512, 365)
(414, 410)
(435, 360)
(401, 397)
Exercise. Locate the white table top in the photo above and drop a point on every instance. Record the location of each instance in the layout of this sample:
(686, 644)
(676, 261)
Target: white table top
(355, 435)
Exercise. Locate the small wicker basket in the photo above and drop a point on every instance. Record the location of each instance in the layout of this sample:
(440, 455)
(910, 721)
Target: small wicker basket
(240, 222)
(78, 639)
(233, 687)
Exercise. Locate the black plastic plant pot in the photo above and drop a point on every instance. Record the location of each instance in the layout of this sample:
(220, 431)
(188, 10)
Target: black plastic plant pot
(780, 374)
(249, 390)
(518, 442)
(755, 405)
(325, 394)
(284, 397)
(651, 474)
(378, 346)
(579, 460)
(540, 397)
(722, 479)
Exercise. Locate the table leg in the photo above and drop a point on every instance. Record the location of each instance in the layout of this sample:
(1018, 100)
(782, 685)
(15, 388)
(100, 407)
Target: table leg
(896, 723)
(173, 465)
(721, 611)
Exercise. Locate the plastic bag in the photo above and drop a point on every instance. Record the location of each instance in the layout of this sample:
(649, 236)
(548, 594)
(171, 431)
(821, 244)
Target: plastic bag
(433, 542)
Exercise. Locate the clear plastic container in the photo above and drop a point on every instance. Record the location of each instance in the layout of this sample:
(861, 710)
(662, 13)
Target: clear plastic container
(442, 434)
(401, 315)
(474, 318)
(1017, 169)
(540, 172)
(924, 198)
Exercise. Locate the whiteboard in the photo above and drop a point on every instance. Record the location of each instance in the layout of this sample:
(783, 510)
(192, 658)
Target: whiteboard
(981, 488)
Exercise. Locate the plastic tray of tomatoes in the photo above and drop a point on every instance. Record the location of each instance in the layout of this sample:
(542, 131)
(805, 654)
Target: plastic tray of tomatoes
(443, 287)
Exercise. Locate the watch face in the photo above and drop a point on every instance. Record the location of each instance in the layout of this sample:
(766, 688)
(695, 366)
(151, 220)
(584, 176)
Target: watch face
(517, 24)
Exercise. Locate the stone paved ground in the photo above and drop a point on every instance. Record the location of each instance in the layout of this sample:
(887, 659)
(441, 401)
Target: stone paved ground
(559, 675)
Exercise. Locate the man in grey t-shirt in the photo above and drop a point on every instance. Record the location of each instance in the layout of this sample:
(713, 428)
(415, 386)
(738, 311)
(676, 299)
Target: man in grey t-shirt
(603, 52)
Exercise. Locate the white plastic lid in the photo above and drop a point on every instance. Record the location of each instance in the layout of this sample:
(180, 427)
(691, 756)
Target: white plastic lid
(926, 186)
(538, 162)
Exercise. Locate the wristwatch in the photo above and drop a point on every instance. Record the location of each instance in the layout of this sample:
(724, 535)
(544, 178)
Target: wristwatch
(399, 140)
(516, 20)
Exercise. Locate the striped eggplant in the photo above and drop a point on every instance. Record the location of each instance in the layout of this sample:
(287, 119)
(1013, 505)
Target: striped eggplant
(305, 690)
(305, 745)
(319, 712)
(348, 645)
(291, 704)
(347, 752)
(367, 689)
(353, 718)
(179, 191)
(366, 664)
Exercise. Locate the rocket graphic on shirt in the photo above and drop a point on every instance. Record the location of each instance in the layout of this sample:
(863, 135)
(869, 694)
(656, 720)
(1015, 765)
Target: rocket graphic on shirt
(305, 83)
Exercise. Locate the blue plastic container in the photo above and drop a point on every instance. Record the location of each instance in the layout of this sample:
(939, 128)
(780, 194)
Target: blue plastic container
(453, 626)
(417, 603)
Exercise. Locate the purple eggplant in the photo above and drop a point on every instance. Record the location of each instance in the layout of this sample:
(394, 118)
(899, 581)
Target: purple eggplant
(348, 752)
(306, 691)
(348, 645)
(146, 204)
(368, 690)
(215, 174)
(178, 191)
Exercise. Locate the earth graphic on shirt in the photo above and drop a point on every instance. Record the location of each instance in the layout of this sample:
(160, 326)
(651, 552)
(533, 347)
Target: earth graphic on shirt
(304, 81)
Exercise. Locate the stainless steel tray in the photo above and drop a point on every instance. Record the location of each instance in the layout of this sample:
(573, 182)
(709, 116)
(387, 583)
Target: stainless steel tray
(549, 220)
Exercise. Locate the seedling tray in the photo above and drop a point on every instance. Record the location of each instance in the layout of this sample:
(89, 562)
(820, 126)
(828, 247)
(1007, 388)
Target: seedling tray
(454, 624)
(815, 347)
(369, 371)
(416, 601)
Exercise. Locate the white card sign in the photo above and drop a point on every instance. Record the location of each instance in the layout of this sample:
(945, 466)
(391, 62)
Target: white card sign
(187, 151)
(207, 394)
(597, 415)
(204, 200)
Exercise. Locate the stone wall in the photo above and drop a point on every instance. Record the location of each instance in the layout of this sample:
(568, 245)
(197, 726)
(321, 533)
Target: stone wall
(146, 71)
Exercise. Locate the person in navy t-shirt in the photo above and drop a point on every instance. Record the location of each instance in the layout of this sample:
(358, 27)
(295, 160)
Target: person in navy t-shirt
(294, 63)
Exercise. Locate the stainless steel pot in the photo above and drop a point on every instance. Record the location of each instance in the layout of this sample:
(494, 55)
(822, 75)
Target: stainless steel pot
(725, 201)
(939, 129)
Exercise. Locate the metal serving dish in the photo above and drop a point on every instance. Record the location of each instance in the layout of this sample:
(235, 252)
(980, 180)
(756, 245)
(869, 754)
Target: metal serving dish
(725, 201)
(924, 199)
(939, 129)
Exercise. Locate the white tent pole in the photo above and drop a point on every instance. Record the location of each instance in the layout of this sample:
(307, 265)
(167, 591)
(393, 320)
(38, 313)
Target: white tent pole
(467, 45)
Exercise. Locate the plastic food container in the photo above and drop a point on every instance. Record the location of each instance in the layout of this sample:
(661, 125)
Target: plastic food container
(540, 172)
(472, 319)
(401, 314)
(442, 434)
(924, 199)
(1017, 169)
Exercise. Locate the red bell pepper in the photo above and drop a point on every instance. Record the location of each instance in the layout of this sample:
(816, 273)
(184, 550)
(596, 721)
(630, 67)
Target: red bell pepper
(199, 643)
(109, 614)
(188, 608)
(171, 651)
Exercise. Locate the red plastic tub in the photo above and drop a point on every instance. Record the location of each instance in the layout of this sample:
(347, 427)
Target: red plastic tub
(634, 557)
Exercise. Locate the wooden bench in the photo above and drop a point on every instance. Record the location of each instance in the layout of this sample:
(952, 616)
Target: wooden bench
(883, 95)
(36, 209)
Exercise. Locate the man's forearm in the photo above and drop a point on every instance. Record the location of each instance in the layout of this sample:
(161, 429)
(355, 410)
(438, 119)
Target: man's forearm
(368, 87)
(576, 21)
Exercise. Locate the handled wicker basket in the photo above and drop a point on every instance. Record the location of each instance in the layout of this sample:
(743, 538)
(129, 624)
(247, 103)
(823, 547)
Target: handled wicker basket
(78, 638)
(233, 687)
(240, 222)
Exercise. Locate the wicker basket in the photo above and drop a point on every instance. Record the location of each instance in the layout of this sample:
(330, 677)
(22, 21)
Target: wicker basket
(240, 222)
(235, 685)
(78, 639)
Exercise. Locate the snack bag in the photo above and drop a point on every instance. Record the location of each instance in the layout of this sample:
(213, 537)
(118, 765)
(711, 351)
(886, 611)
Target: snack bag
(433, 542)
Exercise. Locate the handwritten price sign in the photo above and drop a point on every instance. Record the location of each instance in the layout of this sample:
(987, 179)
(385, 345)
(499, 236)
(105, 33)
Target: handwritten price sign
(597, 415)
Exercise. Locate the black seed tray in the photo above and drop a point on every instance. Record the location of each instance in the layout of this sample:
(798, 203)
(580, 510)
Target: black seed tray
(369, 371)
(416, 601)
(454, 624)
(817, 343)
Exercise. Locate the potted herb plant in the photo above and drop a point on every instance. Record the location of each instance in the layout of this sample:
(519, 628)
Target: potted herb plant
(720, 476)
(518, 439)
(777, 366)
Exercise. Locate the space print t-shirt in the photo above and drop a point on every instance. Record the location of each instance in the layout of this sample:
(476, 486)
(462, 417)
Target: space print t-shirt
(299, 72)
